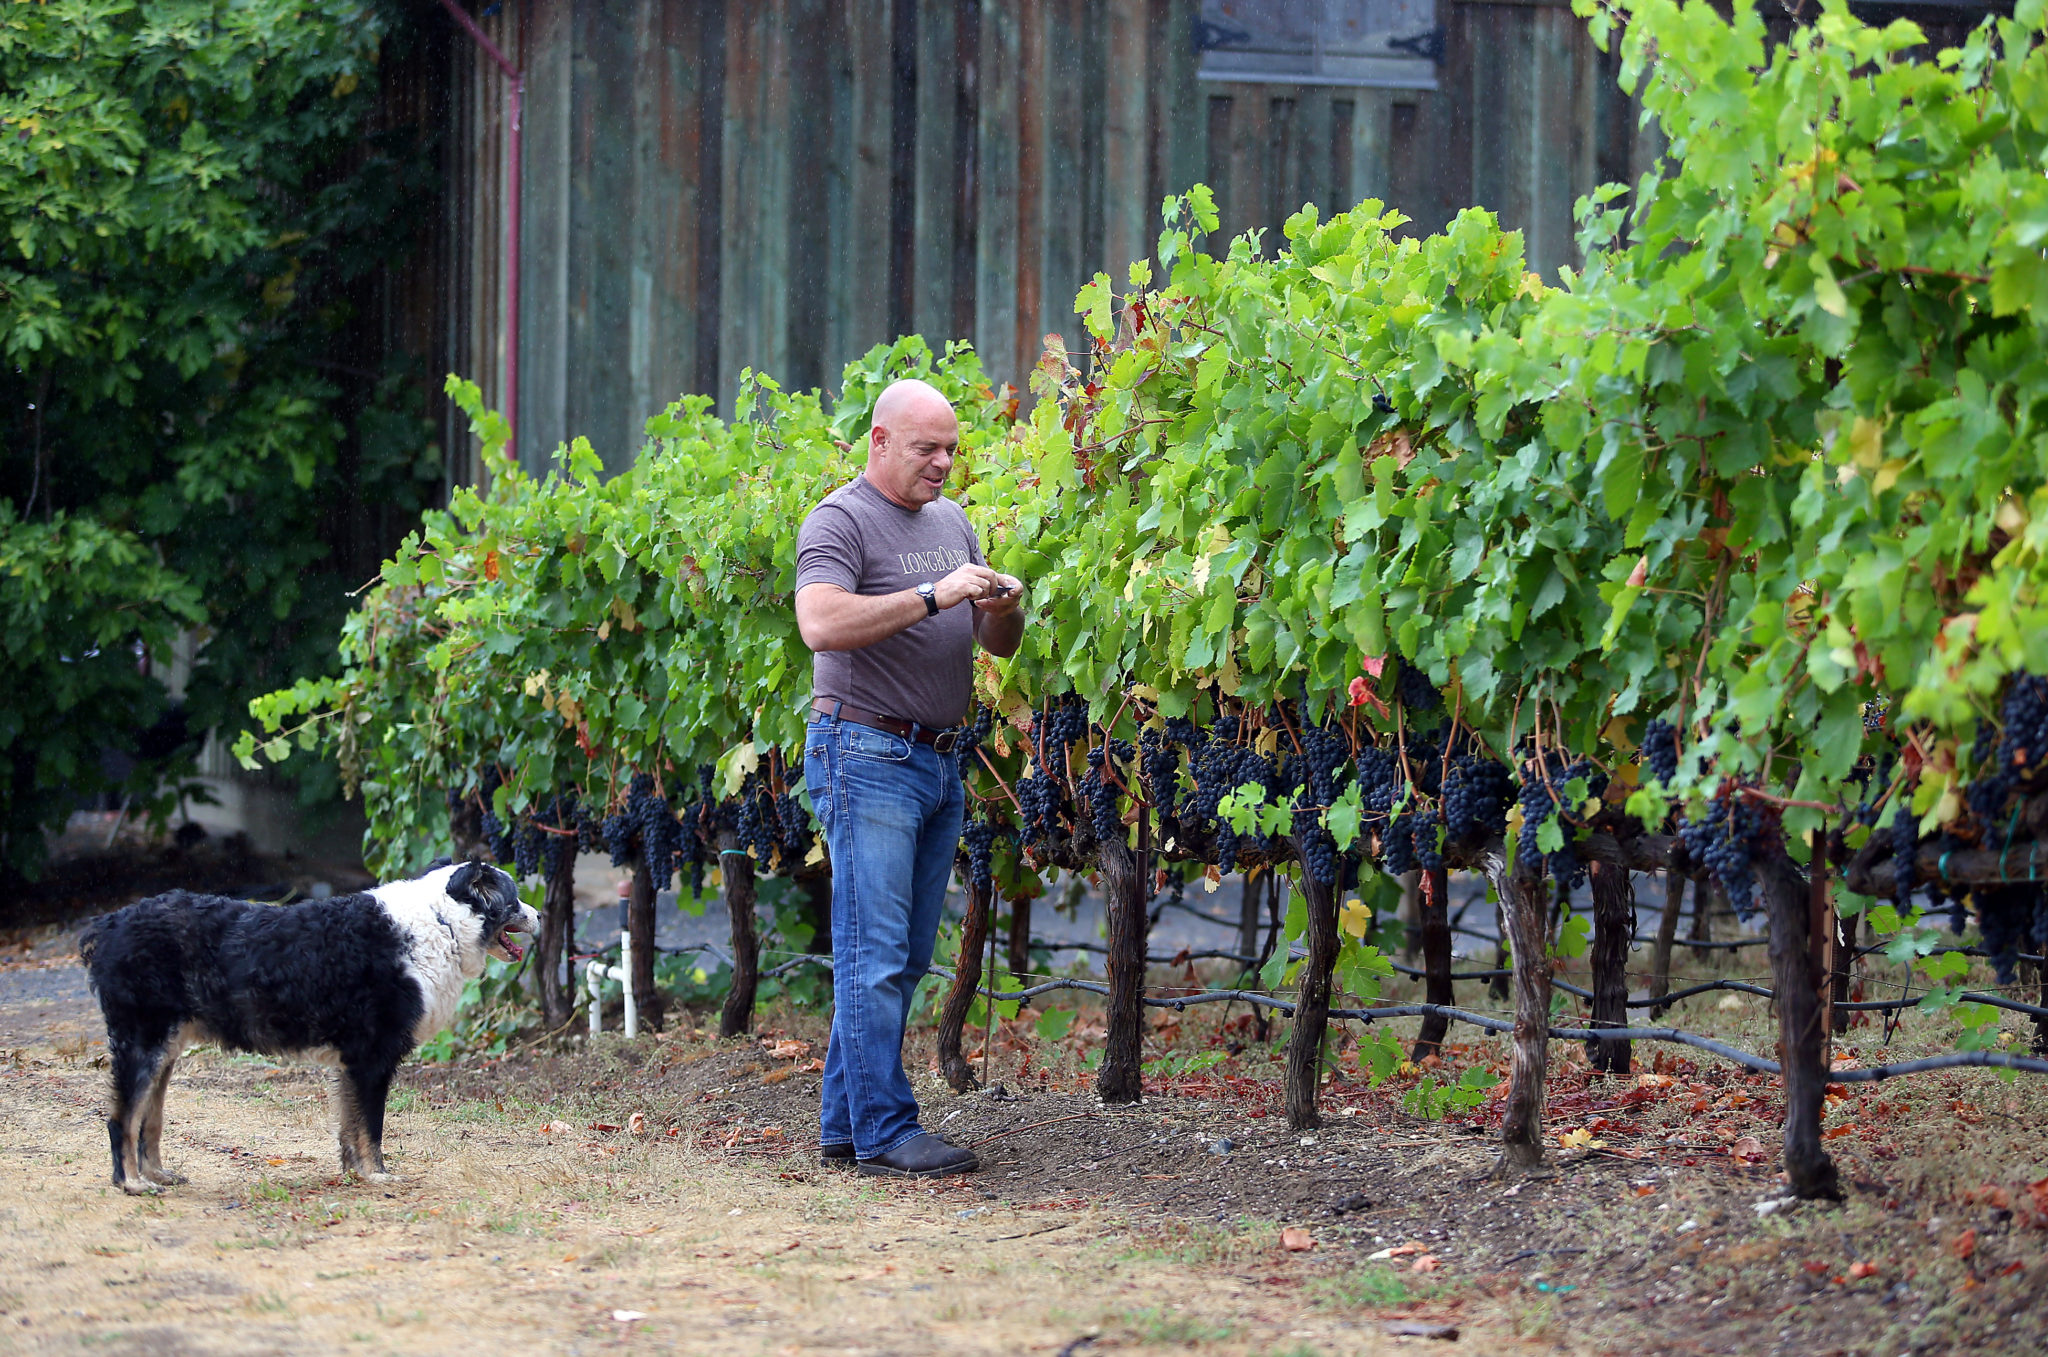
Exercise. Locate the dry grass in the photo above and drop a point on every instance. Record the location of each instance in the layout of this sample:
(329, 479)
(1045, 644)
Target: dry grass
(501, 1235)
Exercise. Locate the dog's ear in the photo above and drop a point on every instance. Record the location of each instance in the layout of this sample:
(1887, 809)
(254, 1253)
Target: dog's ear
(463, 885)
(438, 863)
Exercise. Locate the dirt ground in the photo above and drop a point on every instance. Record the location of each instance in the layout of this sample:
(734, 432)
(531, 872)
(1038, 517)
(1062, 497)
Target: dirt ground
(536, 1208)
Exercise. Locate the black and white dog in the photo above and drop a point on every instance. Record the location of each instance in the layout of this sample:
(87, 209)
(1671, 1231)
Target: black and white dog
(356, 980)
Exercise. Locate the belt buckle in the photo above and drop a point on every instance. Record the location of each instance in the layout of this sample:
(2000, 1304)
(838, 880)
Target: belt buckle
(944, 741)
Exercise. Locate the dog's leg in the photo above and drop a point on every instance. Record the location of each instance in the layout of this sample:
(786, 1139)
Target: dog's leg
(134, 1068)
(369, 1084)
(348, 1120)
(152, 1138)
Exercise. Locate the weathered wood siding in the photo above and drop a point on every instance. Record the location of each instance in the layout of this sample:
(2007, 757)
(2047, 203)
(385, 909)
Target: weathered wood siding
(780, 184)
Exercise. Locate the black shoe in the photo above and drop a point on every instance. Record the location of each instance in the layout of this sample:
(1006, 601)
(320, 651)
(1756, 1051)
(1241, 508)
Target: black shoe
(836, 1156)
(922, 1156)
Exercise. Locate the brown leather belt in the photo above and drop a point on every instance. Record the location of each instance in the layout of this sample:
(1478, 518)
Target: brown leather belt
(941, 741)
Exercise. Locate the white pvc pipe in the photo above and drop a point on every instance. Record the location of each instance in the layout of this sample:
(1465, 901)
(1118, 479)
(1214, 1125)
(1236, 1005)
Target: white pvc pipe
(626, 979)
(595, 973)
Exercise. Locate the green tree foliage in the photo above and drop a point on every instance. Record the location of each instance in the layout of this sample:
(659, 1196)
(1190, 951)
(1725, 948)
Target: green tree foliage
(189, 196)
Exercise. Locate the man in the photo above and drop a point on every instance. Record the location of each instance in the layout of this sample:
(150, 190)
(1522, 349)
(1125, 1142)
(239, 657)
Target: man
(891, 596)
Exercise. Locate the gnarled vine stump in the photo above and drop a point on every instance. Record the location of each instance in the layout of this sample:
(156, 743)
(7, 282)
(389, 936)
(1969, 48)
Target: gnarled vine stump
(1524, 908)
(1802, 1030)
(1311, 1006)
(1124, 882)
(1614, 921)
(1434, 907)
(960, 999)
(736, 875)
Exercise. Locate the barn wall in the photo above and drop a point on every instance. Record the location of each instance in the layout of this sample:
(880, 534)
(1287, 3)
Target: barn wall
(780, 184)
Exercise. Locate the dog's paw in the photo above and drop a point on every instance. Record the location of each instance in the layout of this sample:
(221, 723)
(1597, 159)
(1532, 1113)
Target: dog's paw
(136, 1187)
(165, 1177)
(380, 1177)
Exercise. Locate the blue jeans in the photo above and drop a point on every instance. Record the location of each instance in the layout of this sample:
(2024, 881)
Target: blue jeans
(891, 811)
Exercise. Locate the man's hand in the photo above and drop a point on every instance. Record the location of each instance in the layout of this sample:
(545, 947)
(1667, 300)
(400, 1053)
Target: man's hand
(976, 584)
(1006, 596)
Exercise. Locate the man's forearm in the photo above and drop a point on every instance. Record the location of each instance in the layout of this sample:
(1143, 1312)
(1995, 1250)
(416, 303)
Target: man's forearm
(832, 619)
(1000, 633)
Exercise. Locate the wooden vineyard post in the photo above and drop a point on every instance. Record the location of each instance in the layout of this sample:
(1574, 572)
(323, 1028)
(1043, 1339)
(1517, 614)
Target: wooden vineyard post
(1667, 934)
(1524, 907)
(1705, 901)
(640, 928)
(1614, 922)
(1311, 1006)
(736, 877)
(1846, 929)
(1435, 908)
(1124, 873)
(960, 999)
(1802, 1029)
(1248, 906)
(1822, 941)
(1020, 938)
(557, 926)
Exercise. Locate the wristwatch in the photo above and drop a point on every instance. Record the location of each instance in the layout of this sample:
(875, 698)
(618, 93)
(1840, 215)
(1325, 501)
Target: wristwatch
(930, 596)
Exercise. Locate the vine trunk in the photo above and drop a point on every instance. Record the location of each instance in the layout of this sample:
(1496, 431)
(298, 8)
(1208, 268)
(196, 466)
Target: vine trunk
(1123, 879)
(1311, 1006)
(1524, 909)
(960, 999)
(1802, 1029)
(1614, 919)
(736, 875)
(640, 925)
(1434, 908)
(557, 926)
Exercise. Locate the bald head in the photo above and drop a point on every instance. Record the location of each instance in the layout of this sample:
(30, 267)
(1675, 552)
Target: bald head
(911, 446)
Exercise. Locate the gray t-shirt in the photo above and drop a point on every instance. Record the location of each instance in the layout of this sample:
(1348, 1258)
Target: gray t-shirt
(859, 540)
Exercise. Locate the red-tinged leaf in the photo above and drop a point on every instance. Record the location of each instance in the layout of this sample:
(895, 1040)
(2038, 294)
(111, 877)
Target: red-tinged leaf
(1859, 1270)
(1637, 576)
(1815, 1266)
(491, 564)
(1296, 1240)
(1374, 665)
(1964, 1245)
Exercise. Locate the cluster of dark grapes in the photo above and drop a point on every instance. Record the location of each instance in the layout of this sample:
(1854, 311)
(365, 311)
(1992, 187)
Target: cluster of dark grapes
(1429, 853)
(978, 837)
(1476, 793)
(1099, 787)
(526, 845)
(752, 829)
(2010, 918)
(1725, 843)
(1413, 690)
(1905, 832)
(1379, 781)
(1397, 846)
(971, 736)
(1038, 797)
(1875, 713)
(2010, 755)
(1159, 762)
(1542, 797)
(653, 823)
(1061, 726)
(1324, 754)
(497, 837)
(1660, 750)
(617, 832)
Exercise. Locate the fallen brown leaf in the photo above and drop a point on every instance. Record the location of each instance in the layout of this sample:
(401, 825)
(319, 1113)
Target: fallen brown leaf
(1296, 1240)
(1964, 1245)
